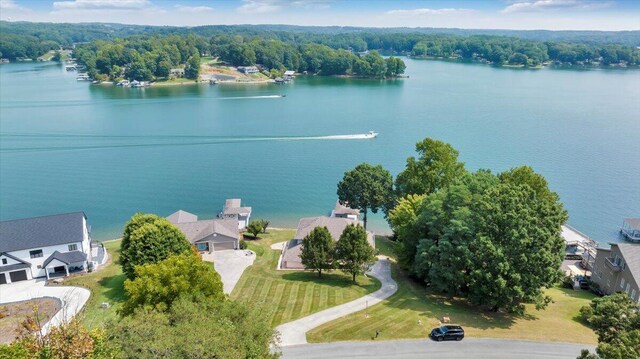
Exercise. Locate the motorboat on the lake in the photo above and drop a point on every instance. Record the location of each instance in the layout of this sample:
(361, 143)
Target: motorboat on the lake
(371, 134)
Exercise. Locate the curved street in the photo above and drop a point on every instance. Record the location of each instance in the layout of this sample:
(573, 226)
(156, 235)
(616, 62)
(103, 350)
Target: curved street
(469, 348)
(295, 333)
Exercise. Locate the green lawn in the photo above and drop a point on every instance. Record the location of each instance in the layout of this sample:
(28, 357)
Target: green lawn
(398, 316)
(106, 285)
(290, 295)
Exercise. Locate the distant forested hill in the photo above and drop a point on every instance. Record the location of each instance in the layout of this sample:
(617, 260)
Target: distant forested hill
(284, 46)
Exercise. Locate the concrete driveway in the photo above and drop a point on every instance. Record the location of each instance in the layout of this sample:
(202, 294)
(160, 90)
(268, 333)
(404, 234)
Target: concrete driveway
(230, 265)
(469, 348)
(294, 333)
(72, 299)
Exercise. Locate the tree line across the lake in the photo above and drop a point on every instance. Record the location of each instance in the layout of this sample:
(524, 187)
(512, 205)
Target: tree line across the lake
(147, 58)
(323, 50)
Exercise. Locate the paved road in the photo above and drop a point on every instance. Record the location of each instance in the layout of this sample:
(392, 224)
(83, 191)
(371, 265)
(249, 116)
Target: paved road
(294, 333)
(230, 265)
(71, 298)
(469, 348)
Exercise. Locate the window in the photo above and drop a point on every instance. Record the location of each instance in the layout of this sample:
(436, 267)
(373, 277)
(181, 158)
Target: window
(35, 254)
(633, 294)
(622, 283)
(73, 247)
(627, 290)
(4, 260)
(39, 266)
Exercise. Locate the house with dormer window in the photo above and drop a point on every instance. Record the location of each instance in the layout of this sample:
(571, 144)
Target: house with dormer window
(617, 269)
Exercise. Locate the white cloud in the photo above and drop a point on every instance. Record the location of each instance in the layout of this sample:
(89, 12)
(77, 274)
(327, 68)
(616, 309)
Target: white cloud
(425, 11)
(193, 9)
(101, 4)
(10, 5)
(268, 6)
(541, 5)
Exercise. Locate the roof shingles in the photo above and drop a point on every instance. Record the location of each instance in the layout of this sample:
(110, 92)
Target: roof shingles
(21, 234)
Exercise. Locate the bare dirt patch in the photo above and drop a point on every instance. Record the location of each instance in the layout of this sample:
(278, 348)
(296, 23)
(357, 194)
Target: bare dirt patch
(13, 314)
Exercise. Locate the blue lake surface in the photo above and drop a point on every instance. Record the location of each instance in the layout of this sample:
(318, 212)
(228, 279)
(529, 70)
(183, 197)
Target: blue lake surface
(67, 145)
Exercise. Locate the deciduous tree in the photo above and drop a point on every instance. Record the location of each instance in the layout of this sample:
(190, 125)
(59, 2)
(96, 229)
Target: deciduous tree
(149, 238)
(436, 167)
(318, 250)
(354, 254)
(366, 187)
(158, 285)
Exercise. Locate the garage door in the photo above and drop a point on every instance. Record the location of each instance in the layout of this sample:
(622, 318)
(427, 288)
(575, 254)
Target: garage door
(224, 246)
(3, 278)
(18, 276)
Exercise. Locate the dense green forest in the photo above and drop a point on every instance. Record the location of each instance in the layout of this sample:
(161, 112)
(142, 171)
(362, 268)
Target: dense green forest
(147, 52)
(152, 57)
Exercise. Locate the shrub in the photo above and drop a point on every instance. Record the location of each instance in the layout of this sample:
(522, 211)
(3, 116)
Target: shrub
(243, 244)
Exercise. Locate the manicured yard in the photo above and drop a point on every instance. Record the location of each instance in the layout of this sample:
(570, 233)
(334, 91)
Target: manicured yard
(106, 285)
(293, 294)
(398, 316)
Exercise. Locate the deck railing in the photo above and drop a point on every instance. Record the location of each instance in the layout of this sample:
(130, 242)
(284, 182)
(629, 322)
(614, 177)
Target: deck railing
(612, 265)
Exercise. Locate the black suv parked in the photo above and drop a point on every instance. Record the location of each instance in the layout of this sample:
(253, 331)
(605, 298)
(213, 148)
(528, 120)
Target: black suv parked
(448, 332)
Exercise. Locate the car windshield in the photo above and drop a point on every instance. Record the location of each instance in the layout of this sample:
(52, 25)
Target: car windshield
(444, 329)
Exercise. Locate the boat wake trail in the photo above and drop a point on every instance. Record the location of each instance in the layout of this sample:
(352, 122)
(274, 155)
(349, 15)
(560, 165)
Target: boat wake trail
(14, 142)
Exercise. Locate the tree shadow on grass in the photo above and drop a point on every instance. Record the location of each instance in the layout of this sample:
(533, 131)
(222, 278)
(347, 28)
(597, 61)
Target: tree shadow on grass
(113, 287)
(331, 279)
(414, 296)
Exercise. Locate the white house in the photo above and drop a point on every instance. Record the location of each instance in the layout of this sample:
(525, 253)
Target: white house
(234, 210)
(54, 245)
(207, 235)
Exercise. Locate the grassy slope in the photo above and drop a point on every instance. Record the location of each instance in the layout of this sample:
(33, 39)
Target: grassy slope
(293, 294)
(106, 285)
(397, 317)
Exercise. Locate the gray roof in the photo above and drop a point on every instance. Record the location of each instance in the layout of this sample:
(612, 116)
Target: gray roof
(633, 222)
(21, 234)
(15, 266)
(233, 206)
(631, 255)
(340, 209)
(182, 217)
(196, 231)
(66, 258)
(335, 226)
(14, 258)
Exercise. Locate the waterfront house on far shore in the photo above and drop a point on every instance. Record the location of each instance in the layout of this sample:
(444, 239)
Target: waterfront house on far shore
(290, 258)
(248, 69)
(342, 211)
(47, 246)
(631, 229)
(207, 235)
(617, 269)
(234, 210)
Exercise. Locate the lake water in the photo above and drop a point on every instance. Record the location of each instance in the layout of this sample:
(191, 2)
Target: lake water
(109, 151)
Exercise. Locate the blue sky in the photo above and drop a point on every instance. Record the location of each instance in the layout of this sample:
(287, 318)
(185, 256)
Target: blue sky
(482, 14)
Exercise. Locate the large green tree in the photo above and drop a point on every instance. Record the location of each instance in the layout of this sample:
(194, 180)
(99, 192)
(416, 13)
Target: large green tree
(318, 250)
(366, 187)
(436, 167)
(200, 329)
(149, 238)
(354, 254)
(517, 248)
(616, 320)
(192, 70)
(158, 285)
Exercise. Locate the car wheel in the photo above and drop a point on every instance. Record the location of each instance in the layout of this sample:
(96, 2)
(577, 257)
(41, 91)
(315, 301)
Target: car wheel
(440, 339)
(458, 339)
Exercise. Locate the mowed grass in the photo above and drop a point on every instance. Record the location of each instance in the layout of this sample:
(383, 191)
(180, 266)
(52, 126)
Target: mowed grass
(398, 317)
(106, 285)
(289, 295)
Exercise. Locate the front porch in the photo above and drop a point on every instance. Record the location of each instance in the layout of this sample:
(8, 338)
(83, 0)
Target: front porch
(62, 264)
